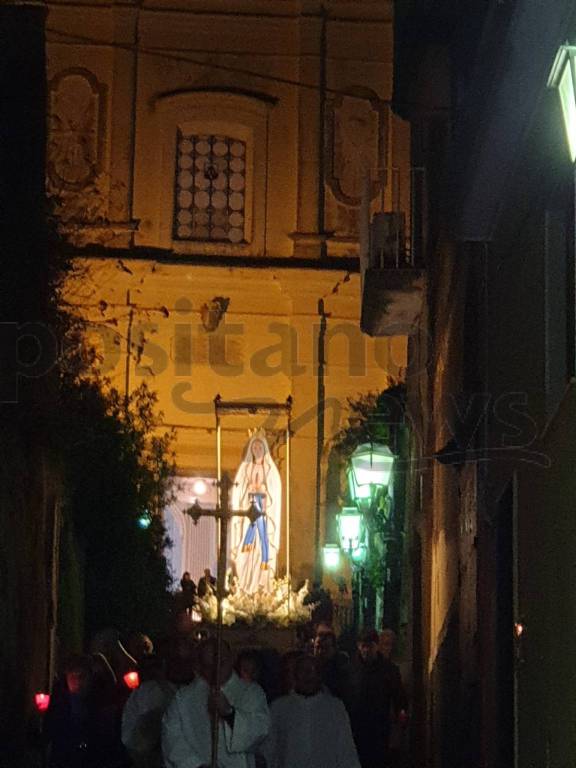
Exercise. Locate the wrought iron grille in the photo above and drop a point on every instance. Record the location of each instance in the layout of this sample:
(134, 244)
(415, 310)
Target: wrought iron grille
(210, 194)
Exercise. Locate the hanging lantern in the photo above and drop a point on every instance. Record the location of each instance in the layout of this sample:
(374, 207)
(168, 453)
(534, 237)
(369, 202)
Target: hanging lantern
(331, 556)
(350, 528)
(359, 554)
(370, 468)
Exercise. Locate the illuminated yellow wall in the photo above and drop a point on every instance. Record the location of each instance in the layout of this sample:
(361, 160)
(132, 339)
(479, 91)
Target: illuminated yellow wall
(123, 81)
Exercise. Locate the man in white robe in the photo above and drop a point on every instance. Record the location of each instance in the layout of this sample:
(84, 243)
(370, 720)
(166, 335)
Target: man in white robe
(310, 727)
(142, 716)
(242, 711)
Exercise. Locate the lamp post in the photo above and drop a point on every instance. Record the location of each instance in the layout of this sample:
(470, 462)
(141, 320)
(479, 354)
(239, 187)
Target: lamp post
(369, 474)
(351, 533)
(370, 470)
(331, 557)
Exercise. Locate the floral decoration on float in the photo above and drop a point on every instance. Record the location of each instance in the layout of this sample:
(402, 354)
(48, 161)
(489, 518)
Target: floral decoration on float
(280, 606)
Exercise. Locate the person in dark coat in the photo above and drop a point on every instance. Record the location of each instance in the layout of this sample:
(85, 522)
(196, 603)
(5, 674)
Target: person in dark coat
(333, 664)
(373, 689)
(399, 723)
(80, 726)
(206, 581)
(111, 662)
(321, 600)
(188, 591)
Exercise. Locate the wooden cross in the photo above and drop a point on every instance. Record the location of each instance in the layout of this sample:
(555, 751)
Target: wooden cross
(223, 513)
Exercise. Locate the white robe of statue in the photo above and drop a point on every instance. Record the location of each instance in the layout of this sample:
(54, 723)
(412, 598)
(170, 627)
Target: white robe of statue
(254, 546)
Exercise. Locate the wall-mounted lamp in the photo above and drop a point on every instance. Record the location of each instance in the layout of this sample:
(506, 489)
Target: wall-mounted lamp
(350, 529)
(331, 556)
(370, 468)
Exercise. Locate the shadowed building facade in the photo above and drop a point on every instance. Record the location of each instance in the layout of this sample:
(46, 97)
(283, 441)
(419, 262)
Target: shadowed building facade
(491, 385)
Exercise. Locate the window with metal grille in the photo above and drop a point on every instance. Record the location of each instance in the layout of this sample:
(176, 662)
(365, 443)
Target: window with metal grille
(210, 193)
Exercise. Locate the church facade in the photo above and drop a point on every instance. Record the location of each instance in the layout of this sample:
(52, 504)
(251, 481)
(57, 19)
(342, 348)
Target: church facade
(207, 162)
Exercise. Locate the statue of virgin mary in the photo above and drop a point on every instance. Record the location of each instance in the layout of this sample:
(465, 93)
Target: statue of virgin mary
(254, 546)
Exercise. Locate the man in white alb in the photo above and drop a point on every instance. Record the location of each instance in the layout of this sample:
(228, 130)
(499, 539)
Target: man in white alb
(310, 727)
(241, 708)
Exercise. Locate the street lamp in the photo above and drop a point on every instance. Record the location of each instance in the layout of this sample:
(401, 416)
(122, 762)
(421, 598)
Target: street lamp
(350, 529)
(331, 556)
(369, 473)
(351, 533)
(358, 556)
(563, 79)
(144, 520)
(370, 468)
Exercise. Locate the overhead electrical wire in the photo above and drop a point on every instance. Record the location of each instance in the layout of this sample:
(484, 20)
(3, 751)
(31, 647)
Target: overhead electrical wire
(73, 38)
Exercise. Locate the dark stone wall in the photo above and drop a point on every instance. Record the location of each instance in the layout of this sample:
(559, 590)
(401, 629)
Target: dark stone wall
(29, 492)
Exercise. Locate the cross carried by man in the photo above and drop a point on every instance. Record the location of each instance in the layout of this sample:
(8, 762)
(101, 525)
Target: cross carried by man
(239, 717)
(215, 666)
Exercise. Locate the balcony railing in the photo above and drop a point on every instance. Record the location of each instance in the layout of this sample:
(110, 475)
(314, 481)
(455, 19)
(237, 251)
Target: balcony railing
(392, 248)
(393, 236)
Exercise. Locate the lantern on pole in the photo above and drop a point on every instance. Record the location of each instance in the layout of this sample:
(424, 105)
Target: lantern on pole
(331, 556)
(359, 555)
(370, 468)
(350, 528)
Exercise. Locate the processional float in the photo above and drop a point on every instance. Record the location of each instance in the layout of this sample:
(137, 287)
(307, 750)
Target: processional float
(224, 513)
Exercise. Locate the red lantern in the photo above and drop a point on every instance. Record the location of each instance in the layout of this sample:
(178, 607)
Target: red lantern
(132, 679)
(42, 701)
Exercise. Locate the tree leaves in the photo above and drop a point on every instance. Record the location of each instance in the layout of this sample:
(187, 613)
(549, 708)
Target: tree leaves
(118, 467)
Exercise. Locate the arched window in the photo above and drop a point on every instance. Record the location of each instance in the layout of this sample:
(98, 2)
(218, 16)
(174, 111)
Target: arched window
(210, 188)
(211, 174)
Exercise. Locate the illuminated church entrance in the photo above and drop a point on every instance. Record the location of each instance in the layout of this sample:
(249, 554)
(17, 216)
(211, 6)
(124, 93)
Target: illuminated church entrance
(193, 546)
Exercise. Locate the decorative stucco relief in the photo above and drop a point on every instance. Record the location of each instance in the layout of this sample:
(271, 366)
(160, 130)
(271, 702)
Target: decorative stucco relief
(76, 128)
(355, 150)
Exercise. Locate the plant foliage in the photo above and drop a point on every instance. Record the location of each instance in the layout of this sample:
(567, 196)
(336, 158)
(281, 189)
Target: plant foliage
(372, 419)
(118, 464)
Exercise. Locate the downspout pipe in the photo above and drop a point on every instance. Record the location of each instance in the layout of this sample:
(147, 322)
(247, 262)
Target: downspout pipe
(321, 397)
(134, 107)
(322, 85)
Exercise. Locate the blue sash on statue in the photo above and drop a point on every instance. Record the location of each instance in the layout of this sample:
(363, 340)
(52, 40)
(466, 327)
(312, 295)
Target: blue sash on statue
(259, 526)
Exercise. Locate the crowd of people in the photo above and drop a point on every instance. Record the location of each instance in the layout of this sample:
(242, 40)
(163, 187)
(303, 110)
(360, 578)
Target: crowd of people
(313, 707)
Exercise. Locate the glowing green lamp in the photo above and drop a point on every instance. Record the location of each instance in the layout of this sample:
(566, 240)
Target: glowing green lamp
(370, 467)
(350, 528)
(331, 556)
(359, 554)
(144, 520)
